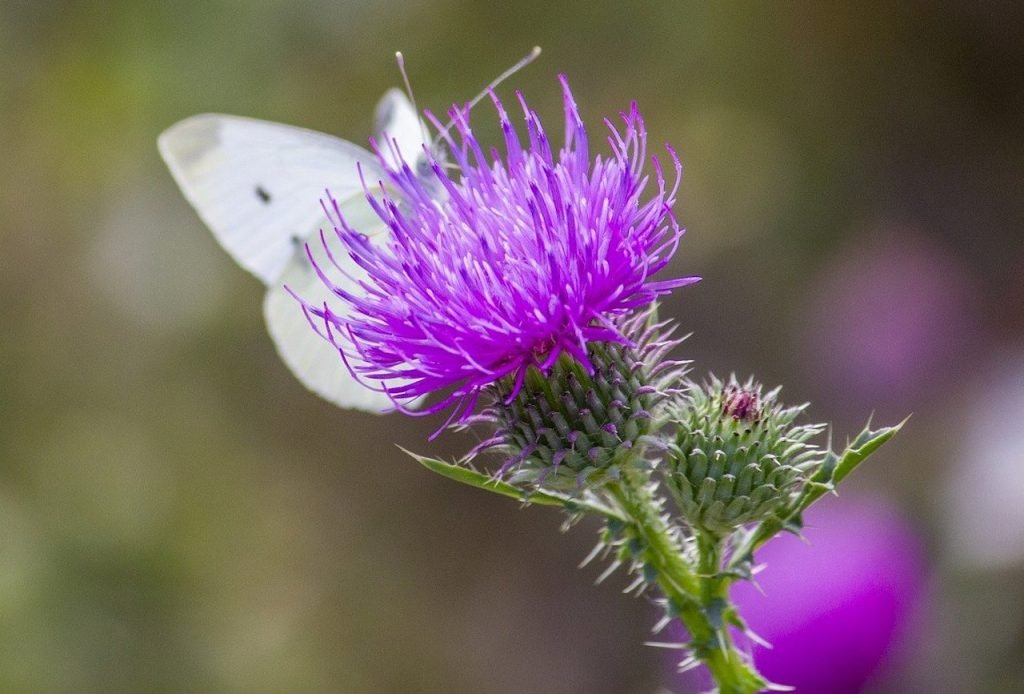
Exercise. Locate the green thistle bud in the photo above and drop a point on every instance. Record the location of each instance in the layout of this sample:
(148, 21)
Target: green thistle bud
(737, 456)
(574, 425)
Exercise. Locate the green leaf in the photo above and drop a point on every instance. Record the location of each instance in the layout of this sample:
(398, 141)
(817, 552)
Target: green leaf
(866, 443)
(836, 469)
(832, 471)
(480, 480)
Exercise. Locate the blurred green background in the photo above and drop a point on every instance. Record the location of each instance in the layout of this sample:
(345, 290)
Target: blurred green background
(178, 514)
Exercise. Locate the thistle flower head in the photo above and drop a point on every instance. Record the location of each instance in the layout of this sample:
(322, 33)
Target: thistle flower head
(567, 429)
(522, 259)
(737, 454)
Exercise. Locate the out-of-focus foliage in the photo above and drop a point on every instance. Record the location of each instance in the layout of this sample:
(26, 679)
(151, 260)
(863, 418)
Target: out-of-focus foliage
(178, 514)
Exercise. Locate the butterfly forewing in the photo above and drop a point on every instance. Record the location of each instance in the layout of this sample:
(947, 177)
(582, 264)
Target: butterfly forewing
(258, 185)
(396, 121)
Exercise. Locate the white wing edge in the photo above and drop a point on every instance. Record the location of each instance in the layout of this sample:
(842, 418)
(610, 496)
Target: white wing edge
(313, 360)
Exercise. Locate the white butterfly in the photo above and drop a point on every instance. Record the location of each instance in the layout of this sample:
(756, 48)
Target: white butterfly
(258, 186)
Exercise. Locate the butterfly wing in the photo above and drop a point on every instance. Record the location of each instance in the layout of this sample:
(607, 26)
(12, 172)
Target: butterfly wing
(396, 119)
(312, 359)
(258, 186)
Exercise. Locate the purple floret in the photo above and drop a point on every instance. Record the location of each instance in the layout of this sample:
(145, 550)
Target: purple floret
(519, 260)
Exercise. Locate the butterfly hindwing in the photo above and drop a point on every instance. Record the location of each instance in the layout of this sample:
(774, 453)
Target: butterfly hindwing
(312, 359)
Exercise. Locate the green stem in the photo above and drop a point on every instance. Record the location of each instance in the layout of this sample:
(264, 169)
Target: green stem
(699, 598)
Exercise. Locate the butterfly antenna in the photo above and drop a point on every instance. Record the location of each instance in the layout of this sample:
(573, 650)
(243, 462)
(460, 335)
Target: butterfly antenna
(529, 58)
(412, 99)
(505, 75)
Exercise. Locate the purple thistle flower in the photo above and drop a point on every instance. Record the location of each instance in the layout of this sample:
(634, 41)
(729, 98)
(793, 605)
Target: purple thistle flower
(517, 262)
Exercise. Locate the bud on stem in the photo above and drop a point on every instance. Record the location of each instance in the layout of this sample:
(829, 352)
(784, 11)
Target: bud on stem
(737, 456)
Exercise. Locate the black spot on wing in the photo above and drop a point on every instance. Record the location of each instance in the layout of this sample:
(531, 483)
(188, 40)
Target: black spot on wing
(263, 194)
(424, 169)
(385, 113)
(299, 247)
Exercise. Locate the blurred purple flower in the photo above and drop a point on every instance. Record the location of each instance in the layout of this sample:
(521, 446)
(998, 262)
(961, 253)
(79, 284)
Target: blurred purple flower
(518, 261)
(893, 313)
(835, 608)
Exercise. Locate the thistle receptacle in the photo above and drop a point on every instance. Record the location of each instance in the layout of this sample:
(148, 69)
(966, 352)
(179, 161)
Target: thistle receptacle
(737, 454)
(575, 426)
